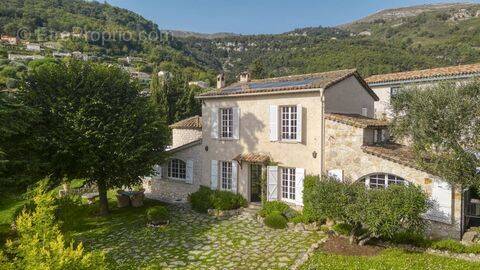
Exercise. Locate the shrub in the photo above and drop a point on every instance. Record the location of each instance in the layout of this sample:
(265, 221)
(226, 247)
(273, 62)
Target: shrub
(41, 243)
(342, 228)
(70, 212)
(157, 215)
(273, 206)
(410, 238)
(370, 213)
(450, 245)
(200, 200)
(276, 220)
(205, 199)
(225, 200)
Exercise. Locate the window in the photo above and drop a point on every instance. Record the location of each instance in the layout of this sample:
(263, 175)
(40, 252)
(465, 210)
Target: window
(382, 180)
(226, 176)
(177, 169)
(288, 122)
(379, 136)
(226, 123)
(288, 183)
(394, 91)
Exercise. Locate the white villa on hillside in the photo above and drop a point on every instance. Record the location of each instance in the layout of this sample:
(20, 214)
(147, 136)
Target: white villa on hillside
(387, 85)
(288, 127)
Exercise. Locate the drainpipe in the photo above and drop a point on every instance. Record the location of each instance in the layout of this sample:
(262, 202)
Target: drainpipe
(322, 134)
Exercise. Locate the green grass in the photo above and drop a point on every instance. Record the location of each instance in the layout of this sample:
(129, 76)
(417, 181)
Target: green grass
(9, 204)
(390, 259)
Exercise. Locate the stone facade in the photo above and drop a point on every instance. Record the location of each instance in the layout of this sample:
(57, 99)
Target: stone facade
(344, 151)
(183, 136)
(173, 190)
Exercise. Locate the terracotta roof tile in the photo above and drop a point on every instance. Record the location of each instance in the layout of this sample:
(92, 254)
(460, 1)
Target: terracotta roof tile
(288, 83)
(252, 158)
(425, 74)
(194, 122)
(394, 152)
(356, 120)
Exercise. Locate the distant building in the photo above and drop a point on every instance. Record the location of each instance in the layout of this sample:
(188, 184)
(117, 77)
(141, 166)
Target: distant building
(10, 40)
(365, 33)
(164, 74)
(22, 57)
(80, 56)
(61, 54)
(200, 84)
(142, 76)
(34, 47)
(65, 35)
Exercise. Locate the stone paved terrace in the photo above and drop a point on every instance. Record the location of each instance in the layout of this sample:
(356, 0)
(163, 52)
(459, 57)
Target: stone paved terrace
(198, 241)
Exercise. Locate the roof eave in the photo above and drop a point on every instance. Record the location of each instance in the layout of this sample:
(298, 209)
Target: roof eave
(427, 79)
(260, 93)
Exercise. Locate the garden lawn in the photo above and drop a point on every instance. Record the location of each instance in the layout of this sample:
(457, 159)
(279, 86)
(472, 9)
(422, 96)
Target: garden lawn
(390, 259)
(191, 241)
(9, 205)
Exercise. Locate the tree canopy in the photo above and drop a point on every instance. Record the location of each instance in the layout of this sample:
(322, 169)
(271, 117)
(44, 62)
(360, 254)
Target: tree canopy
(443, 122)
(94, 124)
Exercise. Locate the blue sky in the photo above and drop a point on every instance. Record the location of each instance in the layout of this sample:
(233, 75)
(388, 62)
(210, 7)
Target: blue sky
(256, 16)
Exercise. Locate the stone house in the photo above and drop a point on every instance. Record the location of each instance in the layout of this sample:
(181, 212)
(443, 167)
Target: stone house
(386, 86)
(278, 130)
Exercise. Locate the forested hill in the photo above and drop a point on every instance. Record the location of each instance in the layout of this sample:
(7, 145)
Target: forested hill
(391, 40)
(120, 29)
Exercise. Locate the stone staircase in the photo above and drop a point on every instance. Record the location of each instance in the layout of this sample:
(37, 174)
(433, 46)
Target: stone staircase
(252, 210)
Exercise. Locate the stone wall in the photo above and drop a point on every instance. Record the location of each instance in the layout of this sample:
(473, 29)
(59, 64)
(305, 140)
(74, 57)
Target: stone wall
(174, 190)
(184, 136)
(343, 150)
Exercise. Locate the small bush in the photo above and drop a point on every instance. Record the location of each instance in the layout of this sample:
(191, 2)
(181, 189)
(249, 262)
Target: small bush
(450, 245)
(342, 228)
(205, 199)
(157, 215)
(225, 200)
(274, 206)
(276, 220)
(200, 200)
(410, 238)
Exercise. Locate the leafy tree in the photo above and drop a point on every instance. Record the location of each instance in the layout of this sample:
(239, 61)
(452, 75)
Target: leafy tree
(257, 70)
(443, 123)
(16, 162)
(93, 124)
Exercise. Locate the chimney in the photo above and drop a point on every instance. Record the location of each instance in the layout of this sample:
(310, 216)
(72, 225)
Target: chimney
(220, 81)
(245, 76)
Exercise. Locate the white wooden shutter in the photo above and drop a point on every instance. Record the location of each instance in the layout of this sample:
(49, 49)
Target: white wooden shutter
(336, 173)
(214, 175)
(375, 135)
(272, 183)
(299, 123)
(236, 123)
(442, 202)
(365, 112)
(299, 177)
(214, 120)
(273, 123)
(234, 176)
(157, 174)
(383, 135)
(189, 172)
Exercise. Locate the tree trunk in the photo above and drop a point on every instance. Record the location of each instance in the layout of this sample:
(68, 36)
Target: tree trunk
(102, 192)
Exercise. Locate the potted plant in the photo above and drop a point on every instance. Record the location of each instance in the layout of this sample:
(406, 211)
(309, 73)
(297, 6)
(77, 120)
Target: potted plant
(157, 216)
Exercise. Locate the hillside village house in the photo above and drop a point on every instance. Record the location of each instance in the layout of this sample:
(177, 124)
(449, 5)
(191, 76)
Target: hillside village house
(386, 86)
(288, 127)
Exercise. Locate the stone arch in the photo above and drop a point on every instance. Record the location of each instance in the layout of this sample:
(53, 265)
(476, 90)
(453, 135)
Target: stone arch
(382, 180)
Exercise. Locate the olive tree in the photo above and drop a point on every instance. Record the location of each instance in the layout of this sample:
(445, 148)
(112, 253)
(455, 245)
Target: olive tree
(443, 123)
(93, 124)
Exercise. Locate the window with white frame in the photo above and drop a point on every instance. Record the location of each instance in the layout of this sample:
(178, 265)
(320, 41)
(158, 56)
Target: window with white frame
(379, 136)
(226, 175)
(288, 122)
(288, 183)
(226, 123)
(382, 180)
(177, 169)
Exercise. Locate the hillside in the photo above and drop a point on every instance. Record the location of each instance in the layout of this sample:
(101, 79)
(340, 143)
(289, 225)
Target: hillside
(392, 40)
